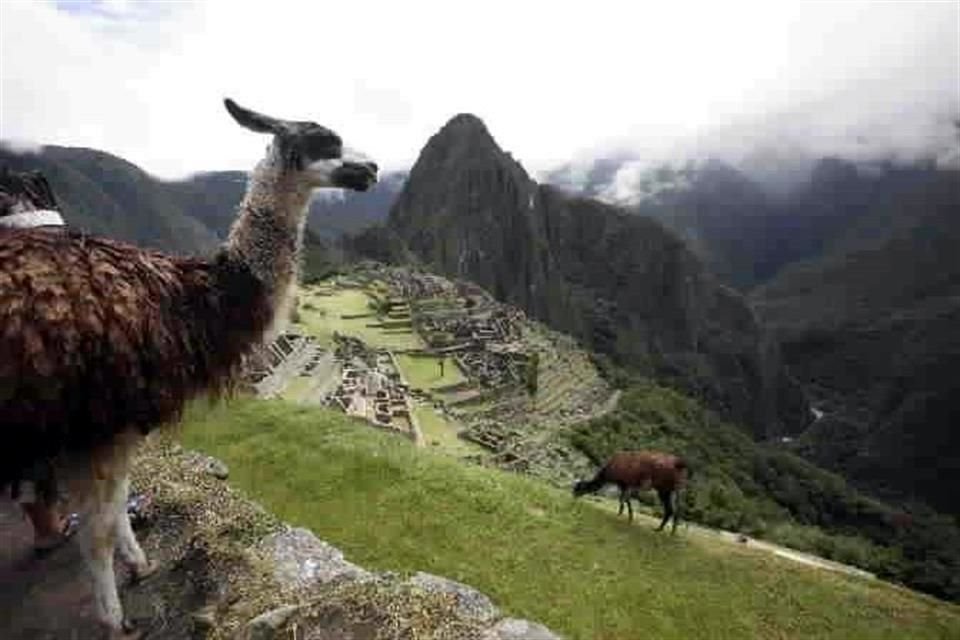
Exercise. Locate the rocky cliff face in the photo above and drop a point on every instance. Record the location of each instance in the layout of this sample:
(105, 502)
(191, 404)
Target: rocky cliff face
(621, 283)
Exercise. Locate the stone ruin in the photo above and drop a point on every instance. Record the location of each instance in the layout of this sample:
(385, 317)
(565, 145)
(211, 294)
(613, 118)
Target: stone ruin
(407, 284)
(371, 387)
(486, 345)
(481, 334)
(269, 365)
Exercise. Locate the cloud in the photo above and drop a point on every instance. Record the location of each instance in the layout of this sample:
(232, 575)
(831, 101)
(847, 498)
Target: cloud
(145, 80)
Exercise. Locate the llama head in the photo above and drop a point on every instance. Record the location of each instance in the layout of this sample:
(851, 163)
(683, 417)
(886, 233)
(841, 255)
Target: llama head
(312, 152)
(580, 488)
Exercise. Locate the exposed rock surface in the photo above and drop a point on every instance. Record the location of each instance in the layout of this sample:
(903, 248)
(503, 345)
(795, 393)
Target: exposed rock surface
(209, 465)
(470, 602)
(229, 569)
(514, 629)
(300, 559)
(620, 282)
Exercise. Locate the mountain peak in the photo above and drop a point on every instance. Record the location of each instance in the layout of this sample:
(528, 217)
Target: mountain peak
(464, 130)
(466, 120)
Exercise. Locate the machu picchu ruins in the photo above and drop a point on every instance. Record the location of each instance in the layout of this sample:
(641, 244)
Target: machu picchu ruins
(409, 347)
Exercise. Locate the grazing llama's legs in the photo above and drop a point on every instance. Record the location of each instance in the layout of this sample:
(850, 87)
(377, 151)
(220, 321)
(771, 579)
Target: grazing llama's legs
(625, 499)
(676, 510)
(666, 498)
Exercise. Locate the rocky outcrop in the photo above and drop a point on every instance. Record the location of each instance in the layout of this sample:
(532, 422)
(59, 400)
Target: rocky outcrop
(621, 283)
(229, 569)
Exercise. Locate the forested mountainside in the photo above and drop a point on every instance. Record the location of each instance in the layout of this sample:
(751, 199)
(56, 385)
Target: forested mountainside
(855, 268)
(622, 283)
(104, 194)
(872, 328)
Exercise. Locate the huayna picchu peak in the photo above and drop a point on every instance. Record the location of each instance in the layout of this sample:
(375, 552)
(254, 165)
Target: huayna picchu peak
(622, 283)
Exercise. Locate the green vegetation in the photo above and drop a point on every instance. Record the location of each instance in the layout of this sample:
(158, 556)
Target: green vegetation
(440, 434)
(298, 388)
(531, 379)
(323, 311)
(740, 485)
(423, 372)
(533, 549)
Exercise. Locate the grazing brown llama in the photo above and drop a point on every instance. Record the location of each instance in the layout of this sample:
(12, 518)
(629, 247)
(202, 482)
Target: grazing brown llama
(634, 471)
(102, 342)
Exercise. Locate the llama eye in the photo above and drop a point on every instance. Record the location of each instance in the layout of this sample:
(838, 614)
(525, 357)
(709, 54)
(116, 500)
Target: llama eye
(324, 147)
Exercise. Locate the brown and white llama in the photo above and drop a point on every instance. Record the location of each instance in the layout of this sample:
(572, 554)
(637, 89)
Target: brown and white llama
(634, 471)
(102, 342)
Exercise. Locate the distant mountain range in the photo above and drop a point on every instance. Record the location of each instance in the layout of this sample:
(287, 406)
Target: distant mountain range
(104, 194)
(747, 224)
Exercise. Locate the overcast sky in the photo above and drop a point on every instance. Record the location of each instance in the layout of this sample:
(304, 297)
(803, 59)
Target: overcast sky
(552, 80)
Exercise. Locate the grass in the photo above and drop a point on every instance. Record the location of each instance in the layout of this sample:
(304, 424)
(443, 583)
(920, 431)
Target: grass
(298, 388)
(322, 310)
(423, 372)
(538, 553)
(441, 434)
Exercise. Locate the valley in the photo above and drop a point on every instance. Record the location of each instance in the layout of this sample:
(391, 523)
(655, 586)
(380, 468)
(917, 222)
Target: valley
(507, 326)
(370, 319)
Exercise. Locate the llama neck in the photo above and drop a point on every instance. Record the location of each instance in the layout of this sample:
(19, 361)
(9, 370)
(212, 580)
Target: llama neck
(268, 233)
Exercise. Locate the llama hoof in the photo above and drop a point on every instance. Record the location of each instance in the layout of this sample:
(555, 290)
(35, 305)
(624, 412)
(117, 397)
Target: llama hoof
(139, 576)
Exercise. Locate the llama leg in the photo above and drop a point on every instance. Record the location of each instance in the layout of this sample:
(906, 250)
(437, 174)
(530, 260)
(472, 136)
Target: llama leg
(623, 499)
(97, 542)
(127, 544)
(627, 496)
(667, 507)
(676, 509)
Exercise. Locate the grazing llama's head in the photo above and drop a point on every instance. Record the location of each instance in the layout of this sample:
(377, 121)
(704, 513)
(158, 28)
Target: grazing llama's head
(314, 154)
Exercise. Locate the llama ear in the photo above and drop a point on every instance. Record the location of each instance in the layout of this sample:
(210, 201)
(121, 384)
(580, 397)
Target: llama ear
(253, 120)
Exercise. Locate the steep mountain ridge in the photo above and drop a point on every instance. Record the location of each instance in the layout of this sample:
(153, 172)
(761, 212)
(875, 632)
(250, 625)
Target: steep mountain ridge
(621, 283)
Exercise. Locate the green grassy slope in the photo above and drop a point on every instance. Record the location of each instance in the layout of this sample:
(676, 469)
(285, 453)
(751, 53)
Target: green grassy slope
(322, 311)
(535, 550)
(765, 491)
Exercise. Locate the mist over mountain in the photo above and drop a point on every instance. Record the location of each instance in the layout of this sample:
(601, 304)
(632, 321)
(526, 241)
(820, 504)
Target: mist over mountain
(749, 215)
(778, 149)
(622, 283)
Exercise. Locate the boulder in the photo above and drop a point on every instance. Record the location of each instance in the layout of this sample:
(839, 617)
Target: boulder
(301, 559)
(470, 602)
